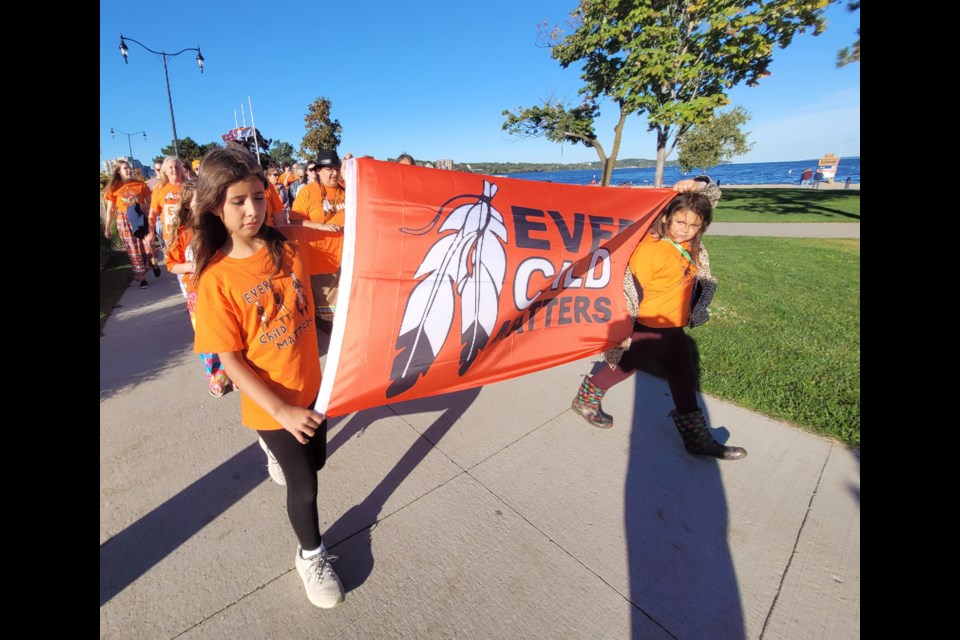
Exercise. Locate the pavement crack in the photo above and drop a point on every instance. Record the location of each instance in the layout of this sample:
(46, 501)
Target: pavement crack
(796, 543)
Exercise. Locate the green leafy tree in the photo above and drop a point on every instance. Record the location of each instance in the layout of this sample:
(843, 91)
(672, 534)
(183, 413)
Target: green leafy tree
(262, 147)
(717, 140)
(852, 53)
(559, 123)
(189, 150)
(281, 153)
(671, 60)
(207, 148)
(322, 132)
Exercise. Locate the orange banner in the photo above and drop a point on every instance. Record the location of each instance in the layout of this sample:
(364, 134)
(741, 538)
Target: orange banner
(453, 280)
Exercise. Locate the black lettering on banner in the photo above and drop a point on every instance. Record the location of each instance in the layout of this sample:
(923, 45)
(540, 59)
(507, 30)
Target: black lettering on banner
(602, 307)
(580, 306)
(533, 312)
(600, 234)
(504, 331)
(523, 226)
(563, 317)
(549, 305)
(570, 240)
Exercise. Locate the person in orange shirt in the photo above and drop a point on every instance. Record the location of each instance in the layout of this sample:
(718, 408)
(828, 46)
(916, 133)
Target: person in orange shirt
(276, 198)
(179, 261)
(255, 309)
(121, 193)
(664, 276)
(166, 200)
(324, 201)
(288, 175)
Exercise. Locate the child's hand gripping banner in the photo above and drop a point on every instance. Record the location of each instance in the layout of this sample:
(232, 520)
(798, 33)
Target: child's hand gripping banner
(452, 280)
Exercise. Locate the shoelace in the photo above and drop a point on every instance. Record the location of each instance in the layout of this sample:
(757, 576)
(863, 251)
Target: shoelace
(320, 565)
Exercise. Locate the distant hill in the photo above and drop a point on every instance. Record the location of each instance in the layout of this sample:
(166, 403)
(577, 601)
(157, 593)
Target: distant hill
(519, 167)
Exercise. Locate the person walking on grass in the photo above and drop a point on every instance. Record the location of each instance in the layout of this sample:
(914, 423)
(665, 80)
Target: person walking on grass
(659, 290)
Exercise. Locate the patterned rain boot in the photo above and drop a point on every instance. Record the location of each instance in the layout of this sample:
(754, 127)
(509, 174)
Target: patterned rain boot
(587, 404)
(697, 439)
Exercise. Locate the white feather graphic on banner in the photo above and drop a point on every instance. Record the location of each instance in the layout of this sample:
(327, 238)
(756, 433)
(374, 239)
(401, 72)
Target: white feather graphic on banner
(470, 258)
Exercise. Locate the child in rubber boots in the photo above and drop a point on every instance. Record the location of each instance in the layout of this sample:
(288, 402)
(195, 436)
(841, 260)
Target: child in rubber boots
(664, 267)
(255, 309)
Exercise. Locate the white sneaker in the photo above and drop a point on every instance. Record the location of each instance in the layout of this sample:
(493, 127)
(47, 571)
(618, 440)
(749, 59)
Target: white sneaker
(273, 467)
(322, 584)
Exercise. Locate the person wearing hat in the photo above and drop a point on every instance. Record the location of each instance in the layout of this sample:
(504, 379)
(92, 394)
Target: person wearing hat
(195, 165)
(323, 202)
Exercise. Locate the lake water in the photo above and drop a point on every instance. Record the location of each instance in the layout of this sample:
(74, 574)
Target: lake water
(753, 173)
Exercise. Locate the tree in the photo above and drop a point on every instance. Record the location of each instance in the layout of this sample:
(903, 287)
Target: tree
(558, 123)
(710, 143)
(322, 132)
(281, 153)
(672, 60)
(850, 54)
(263, 149)
(189, 150)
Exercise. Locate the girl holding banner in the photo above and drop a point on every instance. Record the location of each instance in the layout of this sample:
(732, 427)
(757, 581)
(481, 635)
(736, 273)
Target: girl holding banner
(659, 291)
(255, 309)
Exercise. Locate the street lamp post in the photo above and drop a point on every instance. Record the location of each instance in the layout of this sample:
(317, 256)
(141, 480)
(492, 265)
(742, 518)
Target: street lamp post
(114, 132)
(124, 51)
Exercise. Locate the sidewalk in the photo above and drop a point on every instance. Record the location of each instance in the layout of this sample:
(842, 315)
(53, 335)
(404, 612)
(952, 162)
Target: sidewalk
(492, 513)
(786, 229)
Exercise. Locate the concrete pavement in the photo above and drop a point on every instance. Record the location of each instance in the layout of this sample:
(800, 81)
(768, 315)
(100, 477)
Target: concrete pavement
(492, 513)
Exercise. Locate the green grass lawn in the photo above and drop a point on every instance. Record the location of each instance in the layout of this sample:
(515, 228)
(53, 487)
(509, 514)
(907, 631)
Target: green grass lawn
(114, 280)
(788, 205)
(784, 334)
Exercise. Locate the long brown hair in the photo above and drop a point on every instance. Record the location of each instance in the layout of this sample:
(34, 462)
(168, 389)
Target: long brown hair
(220, 169)
(116, 179)
(690, 201)
(185, 209)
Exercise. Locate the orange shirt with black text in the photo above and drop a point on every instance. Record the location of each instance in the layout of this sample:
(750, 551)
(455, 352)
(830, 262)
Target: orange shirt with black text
(269, 318)
(166, 204)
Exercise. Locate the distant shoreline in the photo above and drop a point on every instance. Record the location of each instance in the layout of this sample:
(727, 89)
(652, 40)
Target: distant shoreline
(824, 186)
(830, 186)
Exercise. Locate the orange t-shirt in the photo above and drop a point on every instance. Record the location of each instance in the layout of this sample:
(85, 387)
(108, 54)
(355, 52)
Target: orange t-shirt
(287, 177)
(666, 279)
(274, 203)
(128, 193)
(166, 203)
(178, 252)
(326, 205)
(242, 306)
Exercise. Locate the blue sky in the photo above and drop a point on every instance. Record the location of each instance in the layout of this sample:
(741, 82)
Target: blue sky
(429, 80)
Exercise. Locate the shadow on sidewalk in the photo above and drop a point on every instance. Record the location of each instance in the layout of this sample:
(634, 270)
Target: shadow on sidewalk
(353, 528)
(135, 550)
(147, 334)
(681, 572)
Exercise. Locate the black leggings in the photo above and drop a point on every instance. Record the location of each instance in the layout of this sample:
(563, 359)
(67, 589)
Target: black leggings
(300, 463)
(667, 347)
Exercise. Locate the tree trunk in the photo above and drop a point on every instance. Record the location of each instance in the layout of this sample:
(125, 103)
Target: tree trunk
(612, 160)
(661, 158)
